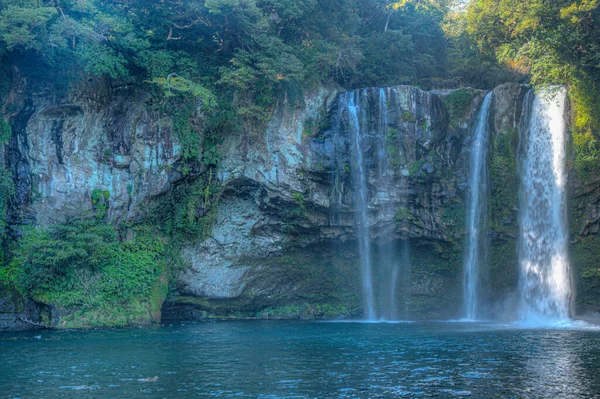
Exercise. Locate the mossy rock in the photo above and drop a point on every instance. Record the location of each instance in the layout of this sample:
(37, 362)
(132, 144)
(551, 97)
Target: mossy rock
(586, 272)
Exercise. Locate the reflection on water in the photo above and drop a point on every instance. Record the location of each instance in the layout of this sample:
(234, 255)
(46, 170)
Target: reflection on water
(266, 359)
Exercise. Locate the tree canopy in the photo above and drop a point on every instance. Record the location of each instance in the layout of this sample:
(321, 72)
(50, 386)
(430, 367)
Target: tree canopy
(554, 43)
(259, 49)
(249, 54)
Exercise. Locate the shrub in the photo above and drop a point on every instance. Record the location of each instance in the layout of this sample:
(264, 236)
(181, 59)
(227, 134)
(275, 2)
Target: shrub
(84, 266)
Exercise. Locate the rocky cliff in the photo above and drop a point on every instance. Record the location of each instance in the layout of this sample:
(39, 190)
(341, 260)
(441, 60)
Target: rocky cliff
(281, 241)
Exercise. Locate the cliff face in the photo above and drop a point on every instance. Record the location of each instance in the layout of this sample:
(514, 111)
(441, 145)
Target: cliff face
(584, 208)
(283, 240)
(67, 143)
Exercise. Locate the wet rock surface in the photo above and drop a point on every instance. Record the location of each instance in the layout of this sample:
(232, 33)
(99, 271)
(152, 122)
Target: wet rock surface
(283, 243)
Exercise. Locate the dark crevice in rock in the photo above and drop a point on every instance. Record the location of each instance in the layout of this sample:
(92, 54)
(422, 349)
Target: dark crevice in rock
(18, 164)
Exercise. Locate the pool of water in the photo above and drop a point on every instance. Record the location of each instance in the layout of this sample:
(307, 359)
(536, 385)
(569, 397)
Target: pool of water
(279, 359)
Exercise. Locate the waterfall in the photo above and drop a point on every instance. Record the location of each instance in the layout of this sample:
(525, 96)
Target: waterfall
(372, 123)
(475, 256)
(387, 252)
(545, 281)
(382, 124)
(351, 103)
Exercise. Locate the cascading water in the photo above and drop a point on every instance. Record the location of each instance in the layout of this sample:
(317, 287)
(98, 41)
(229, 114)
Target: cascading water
(351, 103)
(370, 118)
(387, 252)
(545, 281)
(475, 256)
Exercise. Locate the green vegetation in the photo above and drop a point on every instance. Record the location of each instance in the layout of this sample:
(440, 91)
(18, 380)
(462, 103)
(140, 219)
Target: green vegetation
(305, 311)
(454, 218)
(7, 190)
(439, 263)
(300, 210)
(554, 42)
(83, 269)
(313, 124)
(503, 267)
(584, 258)
(415, 167)
(100, 202)
(408, 117)
(583, 253)
(242, 55)
(186, 212)
(403, 216)
(504, 182)
(585, 98)
(458, 103)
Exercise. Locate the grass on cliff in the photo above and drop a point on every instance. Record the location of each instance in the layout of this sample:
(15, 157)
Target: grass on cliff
(85, 270)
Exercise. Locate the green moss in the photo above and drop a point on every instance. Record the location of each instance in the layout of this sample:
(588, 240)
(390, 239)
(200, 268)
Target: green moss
(305, 311)
(7, 190)
(331, 311)
(459, 103)
(300, 211)
(402, 215)
(415, 167)
(503, 267)
(454, 218)
(313, 282)
(408, 117)
(504, 183)
(182, 125)
(437, 264)
(100, 202)
(392, 147)
(586, 271)
(584, 254)
(283, 312)
(312, 125)
(391, 135)
(5, 131)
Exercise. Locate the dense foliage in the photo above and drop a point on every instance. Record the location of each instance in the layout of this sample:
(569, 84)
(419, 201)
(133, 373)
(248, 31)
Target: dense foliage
(84, 266)
(246, 55)
(263, 51)
(555, 43)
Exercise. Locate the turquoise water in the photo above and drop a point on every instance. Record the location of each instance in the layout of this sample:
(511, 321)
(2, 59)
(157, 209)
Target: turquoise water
(279, 359)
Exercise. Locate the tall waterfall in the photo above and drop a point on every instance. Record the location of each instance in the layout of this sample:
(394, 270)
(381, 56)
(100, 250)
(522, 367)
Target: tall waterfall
(351, 103)
(545, 281)
(475, 255)
(372, 122)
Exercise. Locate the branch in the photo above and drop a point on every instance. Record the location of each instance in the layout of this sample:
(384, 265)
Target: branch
(198, 20)
(170, 36)
(31, 322)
